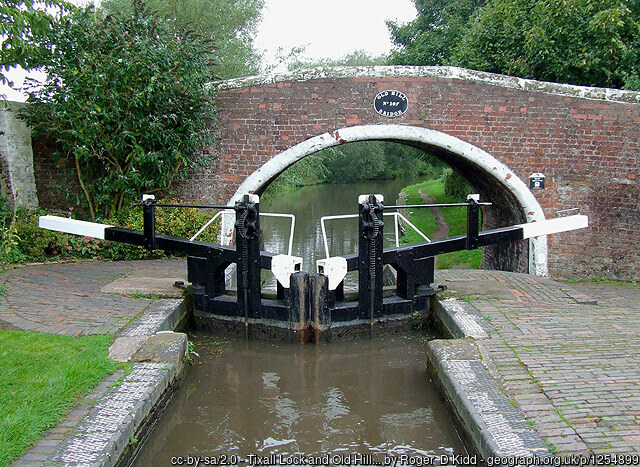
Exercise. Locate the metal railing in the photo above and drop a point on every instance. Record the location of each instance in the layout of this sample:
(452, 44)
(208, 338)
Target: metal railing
(396, 215)
(266, 214)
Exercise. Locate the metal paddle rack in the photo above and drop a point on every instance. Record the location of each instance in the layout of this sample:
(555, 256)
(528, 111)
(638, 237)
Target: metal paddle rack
(309, 306)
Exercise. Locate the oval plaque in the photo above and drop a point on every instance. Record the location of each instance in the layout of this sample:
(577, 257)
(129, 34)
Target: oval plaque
(391, 103)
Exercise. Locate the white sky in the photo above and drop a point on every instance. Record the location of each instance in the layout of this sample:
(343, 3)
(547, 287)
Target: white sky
(327, 28)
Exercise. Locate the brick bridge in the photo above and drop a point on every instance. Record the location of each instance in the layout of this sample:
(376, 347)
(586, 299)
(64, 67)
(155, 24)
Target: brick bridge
(496, 129)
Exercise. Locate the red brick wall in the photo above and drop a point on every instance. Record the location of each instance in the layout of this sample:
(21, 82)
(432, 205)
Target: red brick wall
(587, 148)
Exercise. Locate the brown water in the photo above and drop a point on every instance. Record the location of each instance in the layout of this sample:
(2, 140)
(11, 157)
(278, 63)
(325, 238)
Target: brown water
(309, 204)
(259, 398)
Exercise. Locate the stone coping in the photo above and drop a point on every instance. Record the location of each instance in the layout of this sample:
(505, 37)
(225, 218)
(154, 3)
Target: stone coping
(490, 422)
(440, 72)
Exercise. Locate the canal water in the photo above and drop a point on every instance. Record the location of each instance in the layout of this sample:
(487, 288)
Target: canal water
(309, 204)
(257, 398)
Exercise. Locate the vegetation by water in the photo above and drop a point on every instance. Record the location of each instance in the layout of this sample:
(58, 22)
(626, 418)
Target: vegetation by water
(41, 377)
(455, 217)
(21, 240)
(354, 162)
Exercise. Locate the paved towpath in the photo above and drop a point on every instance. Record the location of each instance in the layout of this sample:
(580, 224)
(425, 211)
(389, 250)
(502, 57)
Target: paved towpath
(66, 298)
(572, 366)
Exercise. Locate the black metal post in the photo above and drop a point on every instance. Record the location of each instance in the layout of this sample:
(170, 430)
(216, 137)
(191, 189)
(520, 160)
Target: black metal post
(149, 222)
(370, 259)
(473, 221)
(248, 270)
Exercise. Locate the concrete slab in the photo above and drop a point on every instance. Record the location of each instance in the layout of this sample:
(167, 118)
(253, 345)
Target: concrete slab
(123, 348)
(148, 286)
(477, 288)
(165, 347)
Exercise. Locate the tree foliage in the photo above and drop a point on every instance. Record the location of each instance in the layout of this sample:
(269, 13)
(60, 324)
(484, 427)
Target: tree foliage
(23, 24)
(584, 42)
(126, 99)
(363, 160)
(431, 39)
(355, 58)
(229, 24)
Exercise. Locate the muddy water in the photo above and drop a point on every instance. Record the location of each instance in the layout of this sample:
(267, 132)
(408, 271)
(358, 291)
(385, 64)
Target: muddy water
(309, 204)
(259, 398)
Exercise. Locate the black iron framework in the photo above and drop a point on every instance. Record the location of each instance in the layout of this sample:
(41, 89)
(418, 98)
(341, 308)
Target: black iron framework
(306, 306)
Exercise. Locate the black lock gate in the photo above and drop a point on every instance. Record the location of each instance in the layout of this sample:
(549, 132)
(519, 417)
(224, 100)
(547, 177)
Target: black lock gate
(310, 306)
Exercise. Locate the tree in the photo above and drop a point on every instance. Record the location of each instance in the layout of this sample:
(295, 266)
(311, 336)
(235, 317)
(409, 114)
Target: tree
(229, 24)
(126, 98)
(432, 37)
(585, 42)
(355, 58)
(23, 25)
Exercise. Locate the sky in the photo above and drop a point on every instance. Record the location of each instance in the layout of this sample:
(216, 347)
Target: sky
(330, 28)
(326, 28)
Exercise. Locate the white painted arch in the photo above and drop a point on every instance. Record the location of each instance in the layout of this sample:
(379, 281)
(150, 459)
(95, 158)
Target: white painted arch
(410, 134)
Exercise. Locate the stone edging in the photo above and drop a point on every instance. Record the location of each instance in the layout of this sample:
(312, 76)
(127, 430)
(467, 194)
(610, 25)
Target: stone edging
(490, 422)
(101, 428)
(443, 72)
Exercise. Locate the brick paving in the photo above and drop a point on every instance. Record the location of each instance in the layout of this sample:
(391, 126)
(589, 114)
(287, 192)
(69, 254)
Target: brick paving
(65, 298)
(571, 365)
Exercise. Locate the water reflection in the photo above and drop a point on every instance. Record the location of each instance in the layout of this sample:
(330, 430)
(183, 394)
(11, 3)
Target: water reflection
(311, 203)
(262, 398)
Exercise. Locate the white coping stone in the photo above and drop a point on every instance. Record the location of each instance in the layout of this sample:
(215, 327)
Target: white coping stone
(467, 321)
(443, 72)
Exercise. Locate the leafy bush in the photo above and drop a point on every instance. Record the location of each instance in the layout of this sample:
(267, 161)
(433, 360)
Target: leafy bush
(456, 186)
(127, 100)
(32, 243)
(38, 244)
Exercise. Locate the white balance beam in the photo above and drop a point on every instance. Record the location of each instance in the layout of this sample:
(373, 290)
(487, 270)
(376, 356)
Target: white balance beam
(551, 226)
(72, 226)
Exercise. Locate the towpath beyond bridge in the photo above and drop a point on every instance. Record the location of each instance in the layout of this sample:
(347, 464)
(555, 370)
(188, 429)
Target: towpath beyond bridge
(496, 130)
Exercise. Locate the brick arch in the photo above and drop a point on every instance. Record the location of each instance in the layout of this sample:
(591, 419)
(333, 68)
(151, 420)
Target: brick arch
(514, 202)
(585, 140)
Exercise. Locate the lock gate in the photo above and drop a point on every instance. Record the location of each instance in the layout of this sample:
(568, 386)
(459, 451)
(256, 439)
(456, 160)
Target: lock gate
(310, 306)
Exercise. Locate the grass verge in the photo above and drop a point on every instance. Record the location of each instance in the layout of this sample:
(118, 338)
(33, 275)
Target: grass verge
(41, 377)
(456, 218)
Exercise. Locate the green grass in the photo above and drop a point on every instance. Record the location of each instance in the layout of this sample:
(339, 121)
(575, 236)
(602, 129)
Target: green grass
(41, 377)
(423, 219)
(456, 218)
(604, 280)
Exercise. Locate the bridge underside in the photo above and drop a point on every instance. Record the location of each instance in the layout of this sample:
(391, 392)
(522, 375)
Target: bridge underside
(513, 203)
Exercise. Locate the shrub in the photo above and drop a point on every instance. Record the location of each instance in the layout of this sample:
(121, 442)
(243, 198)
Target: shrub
(38, 244)
(456, 186)
(126, 99)
(31, 243)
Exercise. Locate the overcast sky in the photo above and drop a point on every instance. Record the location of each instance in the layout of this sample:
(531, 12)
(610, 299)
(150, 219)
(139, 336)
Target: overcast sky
(330, 28)
(326, 28)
